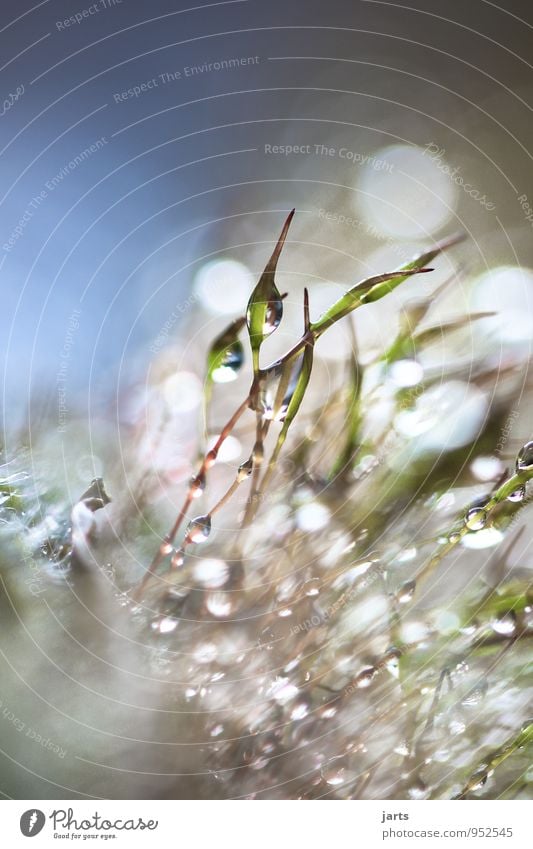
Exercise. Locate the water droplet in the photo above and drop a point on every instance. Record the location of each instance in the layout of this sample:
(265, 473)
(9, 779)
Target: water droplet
(391, 661)
(365, 677)
(505, 625)
(454, 537)
(197, 485)
(199, 529)
(258, 453)
(267, 638)
(228, 363)
(406, 592)
(479, 779)
(165, 548)
(476, 519)
(245, 469)
(266, 398)
(177, 559)
(524, 461)
(269, 312)
(217, 730)
(334, 772)
(273, 315)
(312, 587)
(210, 459)
(518, 494)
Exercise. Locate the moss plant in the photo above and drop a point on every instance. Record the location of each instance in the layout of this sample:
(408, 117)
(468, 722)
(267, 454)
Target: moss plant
(344, 617)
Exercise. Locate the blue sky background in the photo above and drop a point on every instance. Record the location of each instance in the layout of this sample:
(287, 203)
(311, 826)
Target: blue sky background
(182, 171)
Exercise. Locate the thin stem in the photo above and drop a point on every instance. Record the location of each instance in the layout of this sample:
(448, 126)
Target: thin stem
(208, 460)
(270, 468)
(444, 676)
(261, 431)
(456, 536)
(227, 495)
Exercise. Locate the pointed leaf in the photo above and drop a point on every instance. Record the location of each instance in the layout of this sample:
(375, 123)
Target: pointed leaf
(226, 354)
(303, 373)
(265, 307)
(377, 287)
(357, 295)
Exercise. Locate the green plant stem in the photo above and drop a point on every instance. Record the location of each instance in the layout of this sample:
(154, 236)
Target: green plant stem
(497, 757)
(456, 535)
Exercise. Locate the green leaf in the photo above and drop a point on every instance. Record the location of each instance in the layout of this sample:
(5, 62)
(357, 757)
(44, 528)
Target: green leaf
(354, 416)
(304, 373)
(355, 297)
(226, 355)
(265, 307)
(302, 381)
(407, 345)
(374, 288)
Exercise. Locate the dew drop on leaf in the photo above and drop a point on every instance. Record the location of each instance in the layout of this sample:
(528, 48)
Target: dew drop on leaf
(518, 494)
(365, 677)
(476, 519)
(505, 625)
(229, 364)
(245, 469)
(524, 461)
(273, 315)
